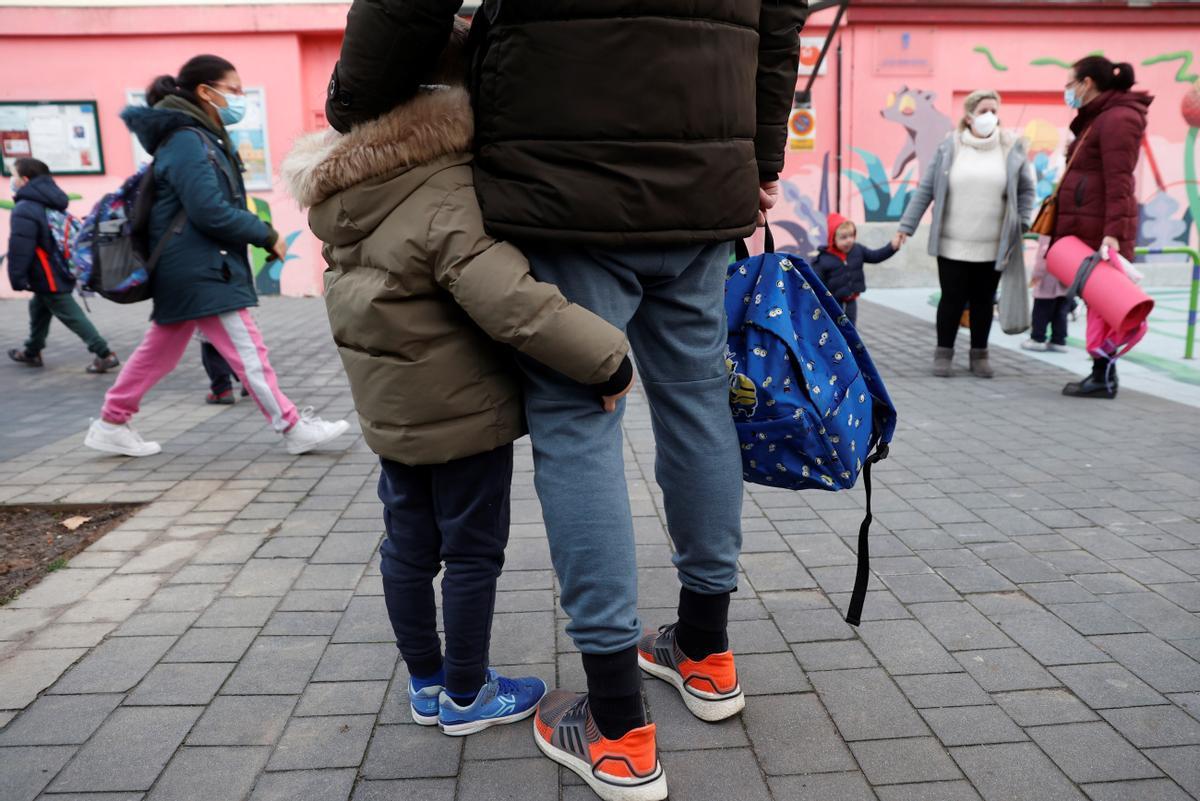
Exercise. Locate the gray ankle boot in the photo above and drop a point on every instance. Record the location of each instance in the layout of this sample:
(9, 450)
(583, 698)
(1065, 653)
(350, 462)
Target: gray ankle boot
(943, 362)
(980, 366)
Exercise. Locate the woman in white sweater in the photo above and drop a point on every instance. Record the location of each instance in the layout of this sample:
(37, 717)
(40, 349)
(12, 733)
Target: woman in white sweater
(982, 190)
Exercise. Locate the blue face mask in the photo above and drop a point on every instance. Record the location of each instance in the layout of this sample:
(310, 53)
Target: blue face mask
(234, 110)
(1071, 98)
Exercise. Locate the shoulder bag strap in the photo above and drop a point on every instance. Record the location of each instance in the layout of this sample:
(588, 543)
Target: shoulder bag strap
(180, 219)
(1070, 161)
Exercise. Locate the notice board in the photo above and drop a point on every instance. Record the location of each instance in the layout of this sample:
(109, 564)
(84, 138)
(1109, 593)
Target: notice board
(63, 133)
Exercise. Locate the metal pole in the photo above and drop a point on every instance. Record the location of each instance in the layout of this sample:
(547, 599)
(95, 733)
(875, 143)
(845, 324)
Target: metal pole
(806, 95)
(1189, 351)
(838, 158)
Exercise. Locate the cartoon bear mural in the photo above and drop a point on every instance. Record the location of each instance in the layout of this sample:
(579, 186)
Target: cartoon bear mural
(926, 126)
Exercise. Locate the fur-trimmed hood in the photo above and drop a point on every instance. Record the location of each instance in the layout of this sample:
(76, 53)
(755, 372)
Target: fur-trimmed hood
(435, 123)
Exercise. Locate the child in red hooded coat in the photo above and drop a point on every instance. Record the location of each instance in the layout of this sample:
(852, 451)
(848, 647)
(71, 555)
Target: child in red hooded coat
(840, 263)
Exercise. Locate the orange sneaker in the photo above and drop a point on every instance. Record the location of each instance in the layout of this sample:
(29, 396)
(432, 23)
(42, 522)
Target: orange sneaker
(709, 688)
(617, 770)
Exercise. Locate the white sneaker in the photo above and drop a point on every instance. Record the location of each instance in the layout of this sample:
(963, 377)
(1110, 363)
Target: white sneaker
(1052, 348)
(120, 439)
(312, 432)
(1031, 344)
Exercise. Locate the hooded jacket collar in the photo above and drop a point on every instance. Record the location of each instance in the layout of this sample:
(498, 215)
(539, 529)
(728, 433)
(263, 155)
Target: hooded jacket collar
(435, 123)
(833, 222)
(152, 125)
(43, 190)
(1138, 101)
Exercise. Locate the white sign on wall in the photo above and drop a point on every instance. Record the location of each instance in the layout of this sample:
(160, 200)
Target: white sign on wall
(249, 137)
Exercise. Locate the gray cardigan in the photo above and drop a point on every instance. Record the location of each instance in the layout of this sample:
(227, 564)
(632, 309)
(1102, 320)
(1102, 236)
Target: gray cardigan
(1021, 195)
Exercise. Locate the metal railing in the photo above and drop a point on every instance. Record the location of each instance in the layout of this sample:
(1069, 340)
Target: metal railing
(1189, 350)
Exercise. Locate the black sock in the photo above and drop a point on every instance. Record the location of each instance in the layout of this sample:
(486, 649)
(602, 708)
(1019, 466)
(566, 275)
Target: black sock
(615, 692)
(703, 620)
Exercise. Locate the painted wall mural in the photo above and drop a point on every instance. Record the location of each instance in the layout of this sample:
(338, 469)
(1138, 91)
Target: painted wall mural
(267, 274)
(926, 126)
(893, 126)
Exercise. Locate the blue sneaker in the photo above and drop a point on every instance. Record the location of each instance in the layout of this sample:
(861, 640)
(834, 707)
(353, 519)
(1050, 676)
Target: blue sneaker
(424, 704)
(500, 700)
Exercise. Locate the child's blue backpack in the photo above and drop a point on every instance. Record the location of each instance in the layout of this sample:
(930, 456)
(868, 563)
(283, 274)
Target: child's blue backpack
(112, 254)
(64, 228)
(810, 408)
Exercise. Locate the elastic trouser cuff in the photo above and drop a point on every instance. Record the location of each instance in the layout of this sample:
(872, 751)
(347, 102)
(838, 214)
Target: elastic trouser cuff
(423, 666)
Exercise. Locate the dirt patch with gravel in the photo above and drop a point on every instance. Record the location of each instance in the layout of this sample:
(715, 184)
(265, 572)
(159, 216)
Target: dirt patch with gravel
(37, 539)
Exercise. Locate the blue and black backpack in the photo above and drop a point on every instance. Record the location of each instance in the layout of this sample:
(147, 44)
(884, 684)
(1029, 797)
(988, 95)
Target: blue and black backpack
(810, 408)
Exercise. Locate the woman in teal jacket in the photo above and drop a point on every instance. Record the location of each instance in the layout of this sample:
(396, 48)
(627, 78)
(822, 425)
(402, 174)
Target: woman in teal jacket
(203, 279)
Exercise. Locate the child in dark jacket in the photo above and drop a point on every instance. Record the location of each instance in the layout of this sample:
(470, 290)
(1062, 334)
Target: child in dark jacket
(840, 263)
(36, 263)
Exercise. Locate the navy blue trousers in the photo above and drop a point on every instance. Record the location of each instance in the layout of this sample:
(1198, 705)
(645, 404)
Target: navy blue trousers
(220, 374)
(457, 515)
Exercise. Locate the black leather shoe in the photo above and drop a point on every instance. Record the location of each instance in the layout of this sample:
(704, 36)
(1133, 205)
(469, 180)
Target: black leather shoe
(1091, 387)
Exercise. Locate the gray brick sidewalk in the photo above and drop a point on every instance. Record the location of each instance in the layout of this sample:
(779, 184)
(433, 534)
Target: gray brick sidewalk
(1031, 630)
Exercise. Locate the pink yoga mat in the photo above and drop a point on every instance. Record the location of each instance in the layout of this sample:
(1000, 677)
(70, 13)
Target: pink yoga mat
(1108, 292)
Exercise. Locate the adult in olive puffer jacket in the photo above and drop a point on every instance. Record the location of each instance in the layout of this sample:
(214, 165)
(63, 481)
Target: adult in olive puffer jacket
(599, 122)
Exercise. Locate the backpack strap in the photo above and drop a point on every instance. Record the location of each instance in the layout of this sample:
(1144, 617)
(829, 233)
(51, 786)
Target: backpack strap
(176, 228)
(863, 575)
(742, 252)
(180, 219)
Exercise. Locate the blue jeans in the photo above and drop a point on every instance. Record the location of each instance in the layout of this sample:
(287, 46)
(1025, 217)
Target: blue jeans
(670, 303)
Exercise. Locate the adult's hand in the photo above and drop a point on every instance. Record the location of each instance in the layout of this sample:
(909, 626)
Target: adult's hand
(900, 240)
(279, 250)
(768, 196)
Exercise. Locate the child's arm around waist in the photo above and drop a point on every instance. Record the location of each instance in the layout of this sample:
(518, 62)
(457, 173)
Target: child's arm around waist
(491, 281)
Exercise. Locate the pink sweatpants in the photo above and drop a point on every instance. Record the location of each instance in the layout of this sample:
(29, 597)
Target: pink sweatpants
(1104, 342)
(233, 334)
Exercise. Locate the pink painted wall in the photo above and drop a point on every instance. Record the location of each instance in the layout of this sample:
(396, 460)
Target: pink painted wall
(292, 66)
(873, 100)
(290, 51)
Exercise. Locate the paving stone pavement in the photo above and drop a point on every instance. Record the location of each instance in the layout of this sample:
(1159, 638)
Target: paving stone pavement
(1030, 631)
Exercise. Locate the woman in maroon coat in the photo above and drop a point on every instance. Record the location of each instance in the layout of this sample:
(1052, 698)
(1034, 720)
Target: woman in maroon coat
(1097, 201)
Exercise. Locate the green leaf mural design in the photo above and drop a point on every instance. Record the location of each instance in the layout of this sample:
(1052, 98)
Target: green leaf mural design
(7, 205)
(900, 199)
(879, 203)
(996, 65)
(1058, 62)
(1182, 76)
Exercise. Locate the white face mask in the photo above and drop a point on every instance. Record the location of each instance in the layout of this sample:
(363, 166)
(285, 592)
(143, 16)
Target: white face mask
(985, 124)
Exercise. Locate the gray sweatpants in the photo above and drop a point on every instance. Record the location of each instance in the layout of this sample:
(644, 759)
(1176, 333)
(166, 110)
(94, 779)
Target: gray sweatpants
(670, 302)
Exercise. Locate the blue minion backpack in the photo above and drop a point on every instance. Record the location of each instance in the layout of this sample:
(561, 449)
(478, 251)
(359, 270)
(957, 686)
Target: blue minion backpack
(810, 408)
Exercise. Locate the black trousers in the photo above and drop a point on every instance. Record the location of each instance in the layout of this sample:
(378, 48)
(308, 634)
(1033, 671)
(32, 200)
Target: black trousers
(851, 309)
(220, 374)
(1052, 313)
(966, 282)
(456, 514)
